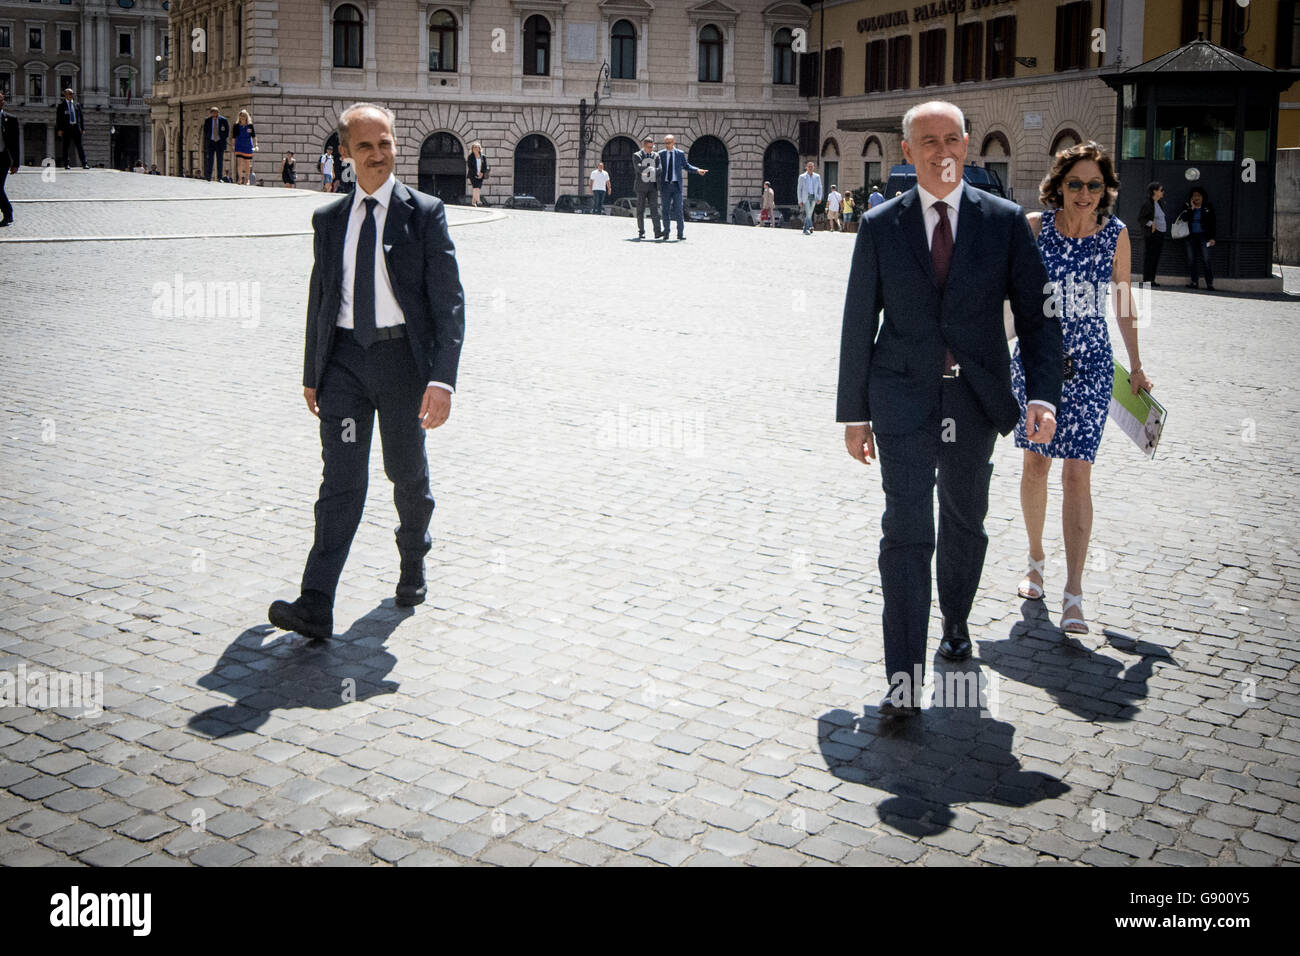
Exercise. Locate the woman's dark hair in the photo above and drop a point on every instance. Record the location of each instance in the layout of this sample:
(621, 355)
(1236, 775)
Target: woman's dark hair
(1152, 187)
(1205, 196)
(1049, 193)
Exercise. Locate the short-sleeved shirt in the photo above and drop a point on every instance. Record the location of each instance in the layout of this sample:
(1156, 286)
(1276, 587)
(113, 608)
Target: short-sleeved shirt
(599, 180)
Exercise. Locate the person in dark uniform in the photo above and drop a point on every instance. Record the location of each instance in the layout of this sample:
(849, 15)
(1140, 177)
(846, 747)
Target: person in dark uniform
(69, 125)
(1155, 229)
(9, 158)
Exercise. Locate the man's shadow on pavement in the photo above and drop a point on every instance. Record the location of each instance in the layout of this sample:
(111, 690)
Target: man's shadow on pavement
(291, 671)
(947, 755)
(1088, 683)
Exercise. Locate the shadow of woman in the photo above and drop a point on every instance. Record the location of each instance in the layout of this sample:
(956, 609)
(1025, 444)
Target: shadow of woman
(290, 671)
(948, 755)
(1088, 683)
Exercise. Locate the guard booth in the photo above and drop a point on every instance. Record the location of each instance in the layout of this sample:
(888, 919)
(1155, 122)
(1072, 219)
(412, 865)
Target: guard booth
(1203, 116)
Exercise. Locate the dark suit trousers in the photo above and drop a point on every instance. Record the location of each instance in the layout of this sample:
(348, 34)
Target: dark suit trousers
(673, 206)
(358, 383)
(211, 152)
(957, 443)
(6, 209)
(1155, 242)
(71, 137)
(647, 196)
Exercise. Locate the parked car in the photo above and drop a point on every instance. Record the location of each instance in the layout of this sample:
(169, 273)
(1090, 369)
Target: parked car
(622, 207)
(523, 202)
(697, 210)
(903, 177)
(791, 217)
(748, 212)
(572, 202)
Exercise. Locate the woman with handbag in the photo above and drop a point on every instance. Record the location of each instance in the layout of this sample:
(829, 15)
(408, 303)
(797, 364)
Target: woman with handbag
(1201, 222)
(1084, 250)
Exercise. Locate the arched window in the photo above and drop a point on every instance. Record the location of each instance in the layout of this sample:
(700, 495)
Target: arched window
(783, 58)
(1064, 140)
(348, 27)
(996, 155)
(710, 55)
(537, 46)
(622, 51)
(442, 43)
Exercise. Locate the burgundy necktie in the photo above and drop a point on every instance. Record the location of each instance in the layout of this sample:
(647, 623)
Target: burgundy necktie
(941, 245)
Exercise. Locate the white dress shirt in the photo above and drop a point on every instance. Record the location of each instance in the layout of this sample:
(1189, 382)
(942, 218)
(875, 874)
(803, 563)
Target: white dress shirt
(930, 217)
(388, 312)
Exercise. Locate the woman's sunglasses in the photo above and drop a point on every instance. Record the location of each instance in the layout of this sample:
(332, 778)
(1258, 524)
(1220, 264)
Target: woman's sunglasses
(1074, 185)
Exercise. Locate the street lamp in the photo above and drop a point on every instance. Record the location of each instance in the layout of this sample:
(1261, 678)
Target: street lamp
(587, 121)
(160, 69)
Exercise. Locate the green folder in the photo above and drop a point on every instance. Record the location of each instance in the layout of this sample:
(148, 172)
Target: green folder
(1139, 416)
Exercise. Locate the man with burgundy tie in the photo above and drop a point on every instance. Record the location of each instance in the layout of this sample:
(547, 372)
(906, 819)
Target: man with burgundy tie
(928, 383)
(385, 321)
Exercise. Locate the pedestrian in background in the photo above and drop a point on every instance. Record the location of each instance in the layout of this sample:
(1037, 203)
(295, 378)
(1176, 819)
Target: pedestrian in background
(848, 207)
(599, 186)
(216, 130)
(326, 164)
(875, 199)
(1155, 228)
(833, 202)
(245, 146)
(648, 173)
(476, 170)
(1201, 224)
(69, 126)
(810, 194)
(768, 215)
(9, 157)
(289, 171)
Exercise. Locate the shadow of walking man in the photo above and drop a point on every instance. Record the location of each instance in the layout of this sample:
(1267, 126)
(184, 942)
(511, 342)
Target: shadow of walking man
(1088, 683)
(948, 755)
(290, 671)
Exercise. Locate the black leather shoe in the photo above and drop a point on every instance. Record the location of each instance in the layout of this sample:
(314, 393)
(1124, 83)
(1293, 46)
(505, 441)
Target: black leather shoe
(660, 235)
(313, 619)
(411, 588)
(956, 640)
(889, 707)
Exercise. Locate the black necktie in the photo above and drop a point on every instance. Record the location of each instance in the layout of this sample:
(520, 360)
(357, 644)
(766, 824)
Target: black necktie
(941, 245)
(363, 280)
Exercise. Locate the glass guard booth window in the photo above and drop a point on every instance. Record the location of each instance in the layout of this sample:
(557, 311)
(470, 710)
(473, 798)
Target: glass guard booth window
(1133, 128)
(1255, 140)
(1199, 134)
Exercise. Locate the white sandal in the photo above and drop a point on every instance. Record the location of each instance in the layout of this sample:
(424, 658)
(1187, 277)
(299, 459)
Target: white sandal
(1075, 625)
(1028, 589)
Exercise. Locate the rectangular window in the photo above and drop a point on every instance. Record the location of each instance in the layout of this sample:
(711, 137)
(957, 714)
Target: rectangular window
(6, 83)
(36, 84)
(877, 67)
(810, 65)
(809, 135)
(871, 174)
(1073, 31)
(834, 69)
(124, 87)
(830, 174)
(933, 47)
(1199, 134)
(65, 40)
(124, 44)
(1192, 26)
(35, 40)
(1233, 27)
(967, 51)
(1001, 53)
(1133, 125)
(6, 39)
(65, 82)
(900, 62)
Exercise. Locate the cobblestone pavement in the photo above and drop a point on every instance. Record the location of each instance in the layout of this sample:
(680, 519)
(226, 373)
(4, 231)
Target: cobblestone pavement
(653, 621)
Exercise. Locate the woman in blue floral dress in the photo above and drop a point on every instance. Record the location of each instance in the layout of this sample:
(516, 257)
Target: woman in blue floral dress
(1085, 249)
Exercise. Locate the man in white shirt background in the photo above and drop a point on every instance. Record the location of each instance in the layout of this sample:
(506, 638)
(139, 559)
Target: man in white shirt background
(599, 188)
(834, 200)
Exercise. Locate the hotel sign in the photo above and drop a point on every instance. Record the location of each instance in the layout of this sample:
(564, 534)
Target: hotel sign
(921, 13)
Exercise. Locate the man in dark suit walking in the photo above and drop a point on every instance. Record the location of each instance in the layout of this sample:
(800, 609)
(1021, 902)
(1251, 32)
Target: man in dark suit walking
(216, 130)
(69, 125)
(649, 172)
(385, 320)
(9, 158)
(931, 382)
(675, 166)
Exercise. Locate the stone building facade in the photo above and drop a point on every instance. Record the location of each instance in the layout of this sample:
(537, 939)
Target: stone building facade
(108, 53)
(512, 74)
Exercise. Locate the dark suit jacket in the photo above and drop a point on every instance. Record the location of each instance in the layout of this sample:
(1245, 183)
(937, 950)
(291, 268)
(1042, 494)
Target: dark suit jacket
(891, 369)
(1147, 215)
(637, 160)
(469, 166)
(61, 116)
(223, 132)
(9, 142)
(684, 167)
(421, 263)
